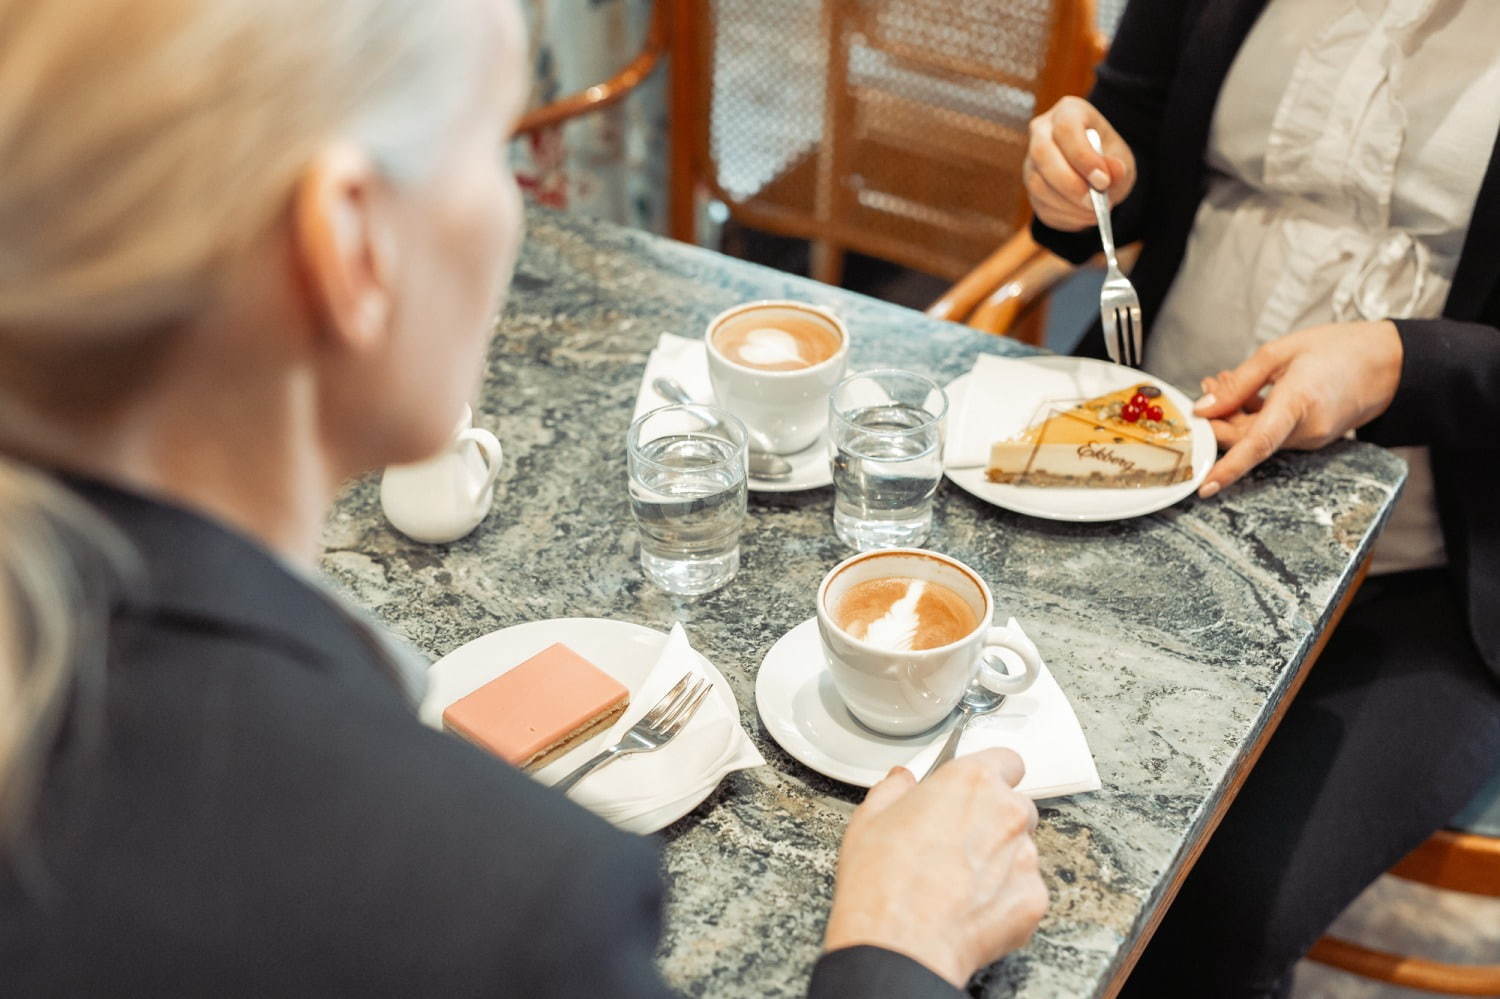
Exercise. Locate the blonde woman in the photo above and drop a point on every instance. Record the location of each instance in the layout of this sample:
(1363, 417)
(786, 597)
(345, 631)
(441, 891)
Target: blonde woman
(249, 248)
(1317, 187)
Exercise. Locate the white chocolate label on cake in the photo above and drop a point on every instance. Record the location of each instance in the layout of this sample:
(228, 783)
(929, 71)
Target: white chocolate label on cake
(767, 346)
(896, 630)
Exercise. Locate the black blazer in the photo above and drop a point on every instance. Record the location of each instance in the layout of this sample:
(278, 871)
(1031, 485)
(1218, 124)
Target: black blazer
(1158, 87)
(258, 812)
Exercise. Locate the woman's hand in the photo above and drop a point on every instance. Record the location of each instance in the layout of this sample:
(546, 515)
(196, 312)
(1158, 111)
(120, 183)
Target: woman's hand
(1325, 381)
(944, 871)
(1061, 166)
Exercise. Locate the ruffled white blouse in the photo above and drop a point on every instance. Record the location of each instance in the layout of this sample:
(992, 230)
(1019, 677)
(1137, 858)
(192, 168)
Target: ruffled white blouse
(1345, 155)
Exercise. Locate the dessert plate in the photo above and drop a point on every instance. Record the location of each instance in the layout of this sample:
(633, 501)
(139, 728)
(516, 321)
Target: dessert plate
(803, 712)
(623, 650)
(810, 470)
(1084, 378)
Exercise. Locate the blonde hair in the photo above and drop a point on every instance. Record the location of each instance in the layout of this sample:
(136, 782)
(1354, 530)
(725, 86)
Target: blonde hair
(143, 145)
(63, 563)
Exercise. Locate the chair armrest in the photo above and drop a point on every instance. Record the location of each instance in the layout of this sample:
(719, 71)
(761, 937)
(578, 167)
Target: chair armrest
(1019, 292)
(958, 302)
(611, 91)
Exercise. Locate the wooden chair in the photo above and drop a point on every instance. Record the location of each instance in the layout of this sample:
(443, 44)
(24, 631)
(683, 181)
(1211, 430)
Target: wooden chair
(1007, 294)
(1466, 859)
(894, 128)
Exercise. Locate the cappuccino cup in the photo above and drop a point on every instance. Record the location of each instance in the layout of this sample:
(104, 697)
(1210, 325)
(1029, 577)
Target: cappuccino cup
(772, 364)
(905, 630)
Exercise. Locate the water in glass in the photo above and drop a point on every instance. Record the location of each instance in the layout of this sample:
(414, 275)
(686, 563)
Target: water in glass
(886, 465)
(688, 496)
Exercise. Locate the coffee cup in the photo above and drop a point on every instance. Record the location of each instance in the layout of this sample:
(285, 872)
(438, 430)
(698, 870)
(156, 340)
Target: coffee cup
(772, 364)
(905, 630)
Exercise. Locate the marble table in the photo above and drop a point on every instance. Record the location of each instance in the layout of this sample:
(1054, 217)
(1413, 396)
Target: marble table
(1178, 636)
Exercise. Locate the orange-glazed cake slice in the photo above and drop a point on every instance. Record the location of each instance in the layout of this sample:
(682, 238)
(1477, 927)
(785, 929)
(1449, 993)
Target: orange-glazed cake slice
(537, 711)
(1133, 437)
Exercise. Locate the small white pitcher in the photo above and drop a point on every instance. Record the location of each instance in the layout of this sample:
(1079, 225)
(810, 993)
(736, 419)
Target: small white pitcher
(445, 497)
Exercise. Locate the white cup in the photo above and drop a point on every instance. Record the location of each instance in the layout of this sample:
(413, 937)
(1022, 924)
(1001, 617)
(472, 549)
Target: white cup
(445, 497)
(906, 693)
(787, 409)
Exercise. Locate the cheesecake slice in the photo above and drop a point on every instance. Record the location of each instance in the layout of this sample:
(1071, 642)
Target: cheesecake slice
(1125, 439)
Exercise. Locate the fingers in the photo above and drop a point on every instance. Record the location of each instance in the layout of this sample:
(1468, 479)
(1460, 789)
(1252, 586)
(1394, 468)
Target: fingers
(886, 793)
(1000, 764)
(1061, 166)
(1229, 391)
(1260, 438)
(1058, 208)
(1229, 431)
(1070, 118)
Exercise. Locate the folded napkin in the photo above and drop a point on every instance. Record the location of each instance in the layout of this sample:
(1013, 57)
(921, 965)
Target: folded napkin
(638, 793)
(683, 360)
(1002, 397)
(1040, 726)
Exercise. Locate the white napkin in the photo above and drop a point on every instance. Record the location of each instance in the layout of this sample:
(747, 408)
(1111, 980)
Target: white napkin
(633, 792)
(683, 360)
(1040, 726)
(1002, 397)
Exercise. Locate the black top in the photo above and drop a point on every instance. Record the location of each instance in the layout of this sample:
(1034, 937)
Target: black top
(1158, 87)
(258, 812)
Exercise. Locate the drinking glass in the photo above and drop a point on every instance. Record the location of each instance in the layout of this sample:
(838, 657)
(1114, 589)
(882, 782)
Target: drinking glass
(688, 466)
(885, 433)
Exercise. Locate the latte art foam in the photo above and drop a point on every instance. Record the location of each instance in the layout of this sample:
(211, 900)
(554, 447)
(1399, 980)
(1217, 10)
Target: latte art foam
(903, 614)
(776, 338)
(769, 347)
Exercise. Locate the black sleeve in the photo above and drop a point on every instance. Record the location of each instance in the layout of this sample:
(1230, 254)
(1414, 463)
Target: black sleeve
(1130, 90)
(875, 973)
(1450, 383)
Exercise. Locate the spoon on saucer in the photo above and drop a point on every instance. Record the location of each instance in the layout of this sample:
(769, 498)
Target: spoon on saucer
(763, 464)
(977, 700)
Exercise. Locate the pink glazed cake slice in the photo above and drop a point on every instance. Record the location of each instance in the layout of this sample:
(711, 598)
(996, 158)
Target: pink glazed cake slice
(537, 711)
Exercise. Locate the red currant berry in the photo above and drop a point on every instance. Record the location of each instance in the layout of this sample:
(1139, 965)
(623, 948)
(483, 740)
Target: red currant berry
(1155, 413)
(1139, 401)
(1130, 414)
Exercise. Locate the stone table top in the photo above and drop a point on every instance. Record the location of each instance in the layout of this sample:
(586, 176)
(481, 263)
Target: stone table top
(1175, 635)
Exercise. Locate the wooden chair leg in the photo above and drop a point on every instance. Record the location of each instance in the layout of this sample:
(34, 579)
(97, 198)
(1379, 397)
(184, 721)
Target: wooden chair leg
(827, 262)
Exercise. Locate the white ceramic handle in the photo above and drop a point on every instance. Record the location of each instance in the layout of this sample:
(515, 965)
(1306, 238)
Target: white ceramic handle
(489, 446)
(997, 679)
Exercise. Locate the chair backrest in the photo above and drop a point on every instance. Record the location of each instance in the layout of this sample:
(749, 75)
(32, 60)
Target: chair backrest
(895, 128)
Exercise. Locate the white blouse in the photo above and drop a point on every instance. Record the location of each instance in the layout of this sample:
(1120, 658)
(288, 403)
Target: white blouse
(1345, 155)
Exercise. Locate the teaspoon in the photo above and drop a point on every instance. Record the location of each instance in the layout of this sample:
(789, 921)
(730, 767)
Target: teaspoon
(977, 700)
(763, 464)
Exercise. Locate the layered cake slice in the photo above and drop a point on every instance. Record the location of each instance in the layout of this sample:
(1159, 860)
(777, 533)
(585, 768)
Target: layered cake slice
(1133, 437)
(539, 710)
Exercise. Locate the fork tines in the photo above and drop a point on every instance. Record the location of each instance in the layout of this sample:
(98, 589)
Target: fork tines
(677, 705)
(1126, 330)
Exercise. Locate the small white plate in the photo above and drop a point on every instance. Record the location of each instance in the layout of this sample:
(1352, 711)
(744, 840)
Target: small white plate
(810, 470)
(623, 650)
(802, 710)
(1091, 378)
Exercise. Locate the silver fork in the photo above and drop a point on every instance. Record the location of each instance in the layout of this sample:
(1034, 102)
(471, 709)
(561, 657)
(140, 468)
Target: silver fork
(1119, 305)
(657, 728)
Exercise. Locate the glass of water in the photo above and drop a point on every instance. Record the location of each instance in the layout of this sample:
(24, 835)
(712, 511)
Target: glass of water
(885, 432)
(687, 491)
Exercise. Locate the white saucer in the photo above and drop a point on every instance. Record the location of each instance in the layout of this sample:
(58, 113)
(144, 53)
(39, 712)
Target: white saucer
(623, 650)
(1090, 377)
(795, 696)
(810, 470)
